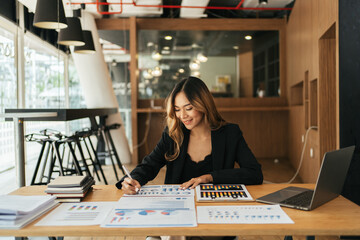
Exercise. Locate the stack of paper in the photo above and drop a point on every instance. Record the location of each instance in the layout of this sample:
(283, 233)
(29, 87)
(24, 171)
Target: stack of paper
(70, 188)
(16, 211)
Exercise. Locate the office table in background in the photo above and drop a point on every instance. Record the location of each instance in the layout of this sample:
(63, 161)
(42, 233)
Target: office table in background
(337, 217)
(20, 115)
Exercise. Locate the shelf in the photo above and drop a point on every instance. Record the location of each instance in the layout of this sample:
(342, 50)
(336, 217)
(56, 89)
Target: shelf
(147, 110)
(229, 109)
(297, 94)
(313, 103)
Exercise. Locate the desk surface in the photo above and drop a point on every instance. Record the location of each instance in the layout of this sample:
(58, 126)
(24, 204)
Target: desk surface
(63, 114)
(337, 217)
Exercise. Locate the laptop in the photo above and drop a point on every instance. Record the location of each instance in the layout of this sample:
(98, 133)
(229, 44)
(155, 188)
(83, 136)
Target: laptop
(329, 184)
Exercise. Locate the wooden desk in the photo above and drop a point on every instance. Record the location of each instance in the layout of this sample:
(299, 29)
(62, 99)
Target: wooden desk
(337, 217)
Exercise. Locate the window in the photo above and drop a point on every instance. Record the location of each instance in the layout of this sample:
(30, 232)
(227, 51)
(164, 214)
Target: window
(44, 75)
(8, 88)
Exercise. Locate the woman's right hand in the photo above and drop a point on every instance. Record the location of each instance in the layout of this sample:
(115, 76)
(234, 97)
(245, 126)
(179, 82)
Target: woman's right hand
(130, 186)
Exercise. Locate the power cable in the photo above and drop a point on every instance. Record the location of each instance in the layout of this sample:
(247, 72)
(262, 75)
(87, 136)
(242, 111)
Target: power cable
(301, 158)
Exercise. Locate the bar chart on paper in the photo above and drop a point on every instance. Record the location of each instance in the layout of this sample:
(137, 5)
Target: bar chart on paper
(162, 191)
(222, 192)
(245, 214)
(77, 214)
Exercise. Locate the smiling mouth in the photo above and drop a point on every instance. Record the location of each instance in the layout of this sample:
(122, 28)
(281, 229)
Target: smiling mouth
(187, 122)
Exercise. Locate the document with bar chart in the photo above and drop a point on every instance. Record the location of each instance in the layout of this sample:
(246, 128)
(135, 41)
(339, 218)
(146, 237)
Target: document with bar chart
(222, 192)
(244, 214)
(162, 191)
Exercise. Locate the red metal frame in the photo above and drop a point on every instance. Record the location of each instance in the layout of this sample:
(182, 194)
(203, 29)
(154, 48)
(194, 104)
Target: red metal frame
(238, 7)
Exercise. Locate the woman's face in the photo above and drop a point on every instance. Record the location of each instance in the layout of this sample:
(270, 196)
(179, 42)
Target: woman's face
(187, 114)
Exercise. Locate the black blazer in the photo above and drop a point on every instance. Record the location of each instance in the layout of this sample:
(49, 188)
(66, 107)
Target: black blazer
(228, 147)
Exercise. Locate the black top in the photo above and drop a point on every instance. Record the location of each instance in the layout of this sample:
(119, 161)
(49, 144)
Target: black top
(227, 147)
(196, 169)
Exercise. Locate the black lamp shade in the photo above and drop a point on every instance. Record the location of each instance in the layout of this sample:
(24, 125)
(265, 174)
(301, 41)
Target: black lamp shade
(72, 35)
(50, 14)
(89, 44)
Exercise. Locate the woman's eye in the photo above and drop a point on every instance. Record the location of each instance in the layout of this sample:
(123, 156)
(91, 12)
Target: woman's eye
(188, 109)
(176, 110)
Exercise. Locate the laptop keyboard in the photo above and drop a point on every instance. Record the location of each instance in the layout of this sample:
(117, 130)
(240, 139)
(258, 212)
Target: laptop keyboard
(301, 199)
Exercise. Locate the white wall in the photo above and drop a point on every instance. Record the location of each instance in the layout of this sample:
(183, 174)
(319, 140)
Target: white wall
(219, 66)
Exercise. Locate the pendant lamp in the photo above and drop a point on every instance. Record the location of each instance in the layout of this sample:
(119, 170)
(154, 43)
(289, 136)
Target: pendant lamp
(50, 14)
(89, 44)
(72, 35)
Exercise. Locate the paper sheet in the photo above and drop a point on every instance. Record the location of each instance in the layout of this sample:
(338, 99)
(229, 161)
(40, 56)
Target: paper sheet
(245, 214)
(162, 191)
(77, 214)
(153, 212)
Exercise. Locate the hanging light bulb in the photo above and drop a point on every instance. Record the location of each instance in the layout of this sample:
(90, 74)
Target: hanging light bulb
(156, 56)
(196, 74)
(147, 74)
(156, 72)
(194, 65)
(201, 57)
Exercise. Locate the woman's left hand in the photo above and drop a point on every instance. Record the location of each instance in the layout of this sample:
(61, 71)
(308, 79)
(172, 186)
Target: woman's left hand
(192, 183)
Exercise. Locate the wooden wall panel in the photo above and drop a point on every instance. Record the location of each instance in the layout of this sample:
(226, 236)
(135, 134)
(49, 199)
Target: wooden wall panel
(265, 132)
(246, 74)
(156, 121)
(308, 21)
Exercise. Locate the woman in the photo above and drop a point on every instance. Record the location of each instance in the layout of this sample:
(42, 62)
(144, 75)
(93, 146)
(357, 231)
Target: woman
(197, 146)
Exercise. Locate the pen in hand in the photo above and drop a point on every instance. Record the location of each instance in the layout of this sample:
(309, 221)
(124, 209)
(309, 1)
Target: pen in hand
(129, 176)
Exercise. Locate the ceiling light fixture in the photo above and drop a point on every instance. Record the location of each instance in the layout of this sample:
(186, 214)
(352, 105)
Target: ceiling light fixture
(263, 2)
(168, 38)
(50, 14)
(248, 37)
(89, 44)
(72, 35)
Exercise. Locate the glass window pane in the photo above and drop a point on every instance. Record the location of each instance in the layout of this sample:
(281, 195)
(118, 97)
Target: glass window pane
(8, 83)
(76, 97)
(44, 88)
(224, 60)
(44, 76)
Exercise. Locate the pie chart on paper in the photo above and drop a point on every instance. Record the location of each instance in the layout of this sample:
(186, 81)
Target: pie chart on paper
(147, 212)
(168, 212)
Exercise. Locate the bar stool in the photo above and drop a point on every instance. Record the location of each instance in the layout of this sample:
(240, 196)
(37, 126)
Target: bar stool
(85, 139)
(53, 143)
(47, 161)
(104, 133)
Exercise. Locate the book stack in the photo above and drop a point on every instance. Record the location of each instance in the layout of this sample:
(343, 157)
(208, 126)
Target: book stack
(70, 188)
(16, 210)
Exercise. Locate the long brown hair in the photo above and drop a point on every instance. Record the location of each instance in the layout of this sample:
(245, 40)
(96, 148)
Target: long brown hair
(201, 99)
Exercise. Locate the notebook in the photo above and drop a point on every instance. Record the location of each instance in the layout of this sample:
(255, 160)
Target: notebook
(329, 184)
